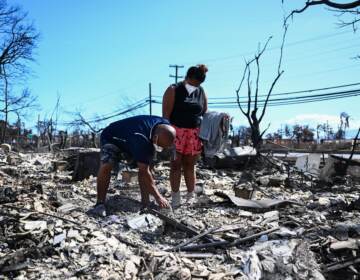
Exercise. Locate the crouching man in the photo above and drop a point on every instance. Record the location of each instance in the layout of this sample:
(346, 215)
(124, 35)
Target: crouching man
(138, 137)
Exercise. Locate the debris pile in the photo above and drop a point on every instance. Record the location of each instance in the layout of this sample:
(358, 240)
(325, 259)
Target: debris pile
(266, 220)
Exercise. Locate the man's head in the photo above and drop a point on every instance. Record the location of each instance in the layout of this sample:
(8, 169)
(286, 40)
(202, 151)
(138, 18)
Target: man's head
(196, 75)
(164, 136)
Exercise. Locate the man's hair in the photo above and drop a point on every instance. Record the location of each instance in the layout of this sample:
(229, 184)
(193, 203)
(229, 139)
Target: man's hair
(197, 73)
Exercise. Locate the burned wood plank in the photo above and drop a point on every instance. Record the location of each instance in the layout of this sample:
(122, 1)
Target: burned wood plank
(228, 244)
(340, 265)
(251, 237)
(197, 255)
(183, 244)
(229, 228)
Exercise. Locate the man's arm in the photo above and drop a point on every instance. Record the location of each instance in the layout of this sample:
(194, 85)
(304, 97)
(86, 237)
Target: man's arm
(168, 102)
(147, 186)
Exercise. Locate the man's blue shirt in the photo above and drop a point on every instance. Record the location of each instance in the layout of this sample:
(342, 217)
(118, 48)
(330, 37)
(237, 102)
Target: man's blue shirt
(133, 135)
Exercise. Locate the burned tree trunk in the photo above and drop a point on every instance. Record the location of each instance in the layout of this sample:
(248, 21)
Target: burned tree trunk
(253, 103)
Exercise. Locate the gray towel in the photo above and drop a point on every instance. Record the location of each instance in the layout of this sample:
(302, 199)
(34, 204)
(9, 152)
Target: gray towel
(211, 132)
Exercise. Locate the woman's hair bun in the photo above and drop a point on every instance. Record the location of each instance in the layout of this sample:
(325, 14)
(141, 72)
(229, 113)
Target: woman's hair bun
(203, 67)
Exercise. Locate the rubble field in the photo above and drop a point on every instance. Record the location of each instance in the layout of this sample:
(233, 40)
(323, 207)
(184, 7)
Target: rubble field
(294, 227)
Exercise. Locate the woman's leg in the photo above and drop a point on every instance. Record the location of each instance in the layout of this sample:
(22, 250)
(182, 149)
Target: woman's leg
(175, 173)
(188, 164)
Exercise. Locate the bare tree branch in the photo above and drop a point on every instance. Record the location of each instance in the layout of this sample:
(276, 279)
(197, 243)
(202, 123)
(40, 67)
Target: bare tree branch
(81, 121)
(341, 8)
(239, 88)
(252, 104)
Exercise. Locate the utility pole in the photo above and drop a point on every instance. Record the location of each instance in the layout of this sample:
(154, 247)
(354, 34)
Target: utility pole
(150, 100)
(176, 72)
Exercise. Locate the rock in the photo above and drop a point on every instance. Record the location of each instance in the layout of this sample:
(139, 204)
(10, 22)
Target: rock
(277, 180)
(131, 270)
(13, 159)
(324, 201)
(73, 234)
(199, 189)
(59, 238)
(59, 165)
(341, 231)
(184, 274)
(263, 180)
(35, 225)
(5, 147)
(244, 190)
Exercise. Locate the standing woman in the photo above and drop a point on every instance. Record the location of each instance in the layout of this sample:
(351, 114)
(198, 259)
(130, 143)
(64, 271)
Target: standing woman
(184, 104)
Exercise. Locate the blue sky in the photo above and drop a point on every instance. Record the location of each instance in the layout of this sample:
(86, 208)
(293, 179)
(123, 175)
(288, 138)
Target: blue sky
(100, 56)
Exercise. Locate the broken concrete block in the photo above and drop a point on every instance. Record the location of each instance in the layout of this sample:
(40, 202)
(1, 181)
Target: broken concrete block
(5, 147)
(309, 163)
(131, 270)
(35, 225)
(245, 190)
(184, 273)
(73, 233)
(348, 244)
(144, 221)
(59, 165)
(13, 159)
(263, 180)
(59, 238)
(87, 164)
(277, 180)
(324, 201)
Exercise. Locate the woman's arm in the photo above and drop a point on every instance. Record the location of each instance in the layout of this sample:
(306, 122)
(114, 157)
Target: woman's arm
(205, 103)
(168, 102)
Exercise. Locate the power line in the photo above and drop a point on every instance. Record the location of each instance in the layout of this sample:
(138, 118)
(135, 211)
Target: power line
(299, 91)
(137, 105)
(349, 92)
(288, 100)
(285, 93)
(287, 103)
(120, 113)
(122, 109)
(176, 76)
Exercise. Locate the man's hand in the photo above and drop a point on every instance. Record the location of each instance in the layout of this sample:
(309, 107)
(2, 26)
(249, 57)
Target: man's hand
(147, 186)
(163, 203)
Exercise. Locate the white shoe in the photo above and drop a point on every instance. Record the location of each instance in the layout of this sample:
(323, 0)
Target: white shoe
(175, 199)
(190, 197)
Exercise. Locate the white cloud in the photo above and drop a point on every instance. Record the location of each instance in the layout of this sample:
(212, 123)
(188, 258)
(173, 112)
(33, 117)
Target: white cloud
(314, 119)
